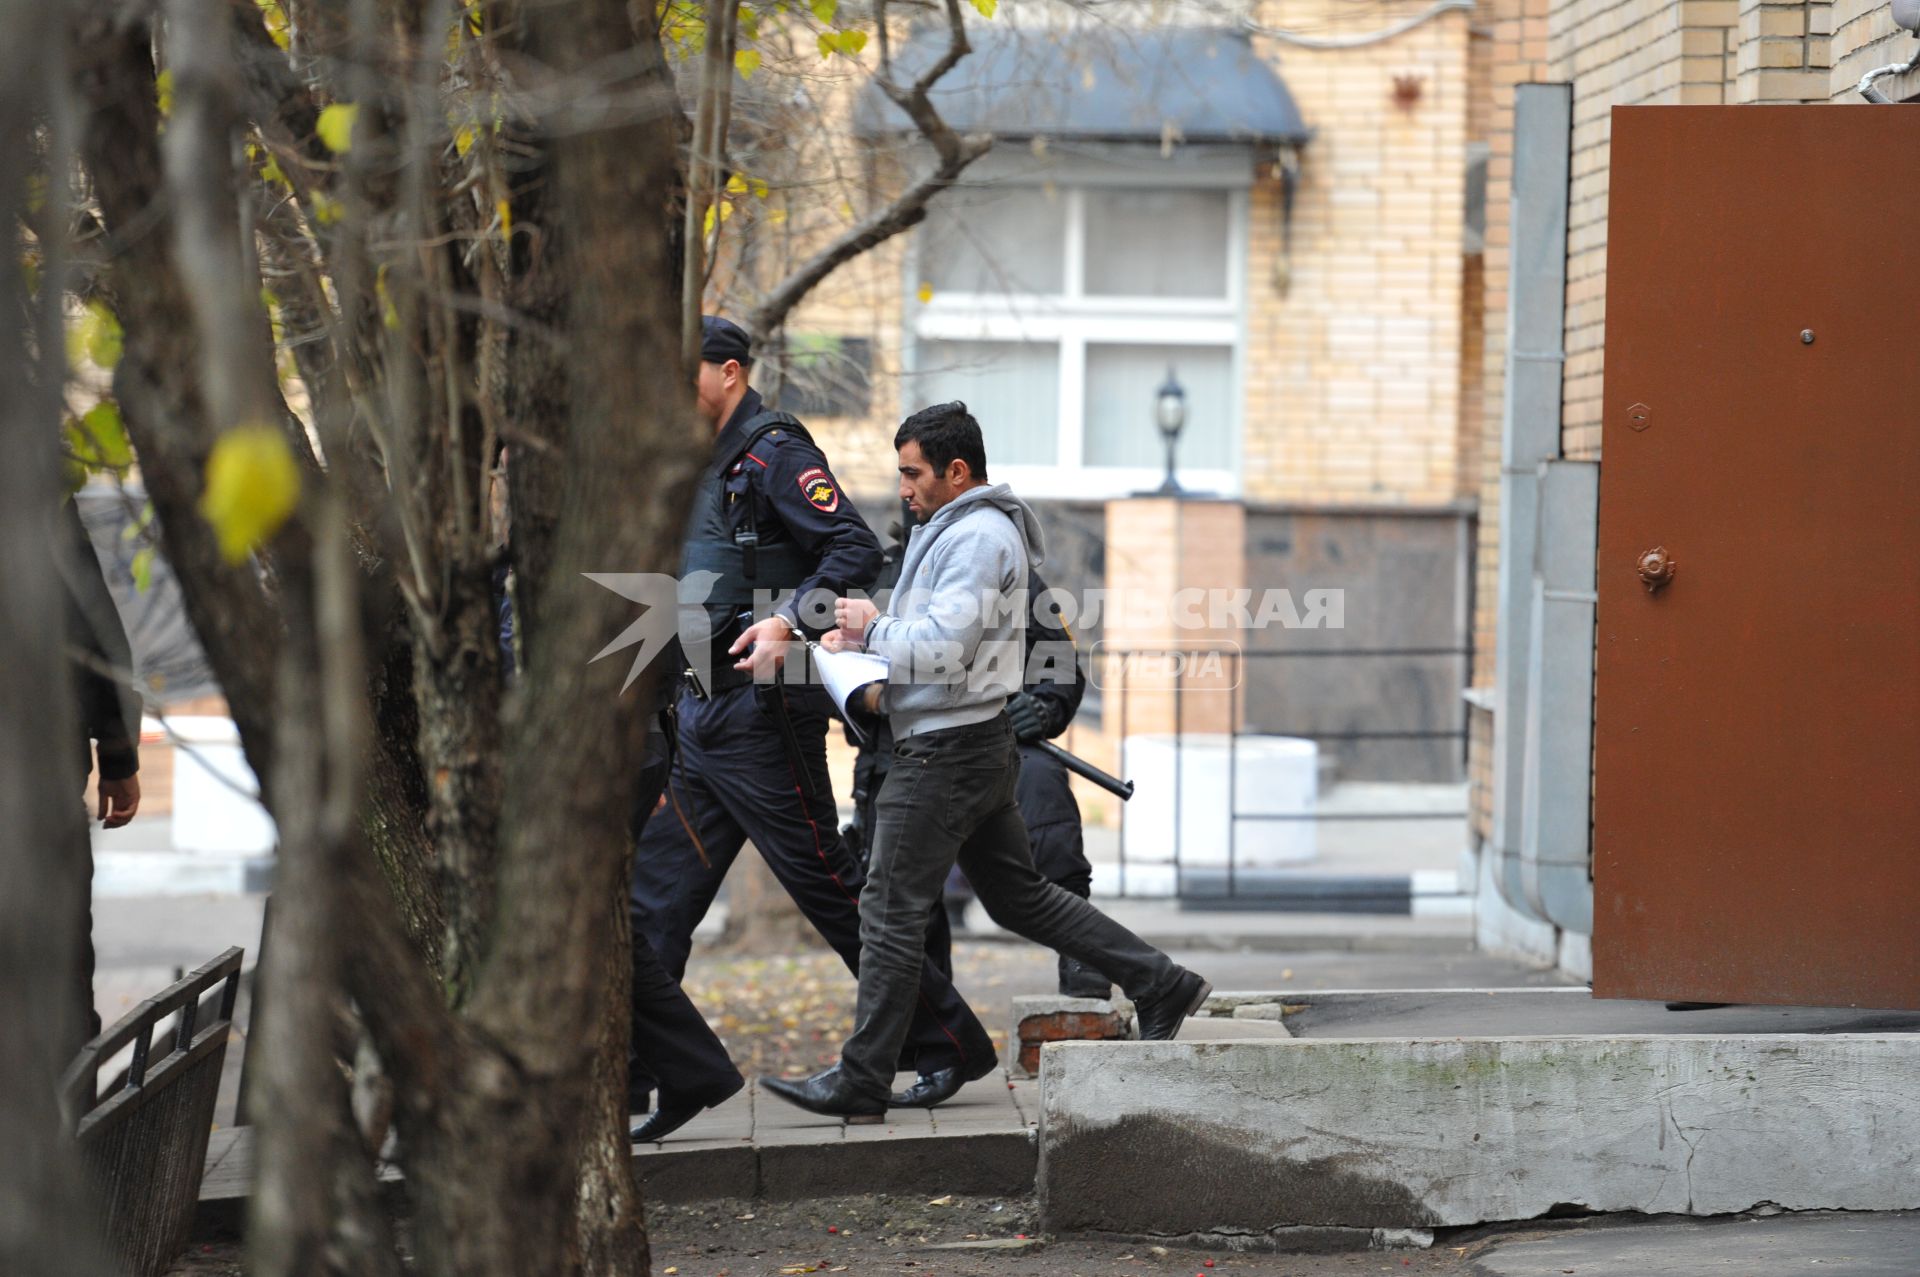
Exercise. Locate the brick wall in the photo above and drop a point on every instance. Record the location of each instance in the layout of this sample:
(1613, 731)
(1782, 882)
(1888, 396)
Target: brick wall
(1354, 338)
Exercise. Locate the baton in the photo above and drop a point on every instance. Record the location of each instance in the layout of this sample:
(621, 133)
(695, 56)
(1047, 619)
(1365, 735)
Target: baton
(1121, 789)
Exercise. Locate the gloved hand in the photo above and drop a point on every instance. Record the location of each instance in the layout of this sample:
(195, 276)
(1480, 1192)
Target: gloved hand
(1030, 719)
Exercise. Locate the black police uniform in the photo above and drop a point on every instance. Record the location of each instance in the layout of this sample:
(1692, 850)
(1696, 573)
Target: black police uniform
(751, 760)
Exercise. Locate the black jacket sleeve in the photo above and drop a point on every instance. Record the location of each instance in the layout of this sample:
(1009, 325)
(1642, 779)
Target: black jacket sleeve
(1055, 676)
(803, 494)
(109, 711)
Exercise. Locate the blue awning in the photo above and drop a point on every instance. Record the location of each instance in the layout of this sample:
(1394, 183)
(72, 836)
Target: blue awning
(1177, 84)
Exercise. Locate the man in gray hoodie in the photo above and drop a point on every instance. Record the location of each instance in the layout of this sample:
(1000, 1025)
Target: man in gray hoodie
(953, 636)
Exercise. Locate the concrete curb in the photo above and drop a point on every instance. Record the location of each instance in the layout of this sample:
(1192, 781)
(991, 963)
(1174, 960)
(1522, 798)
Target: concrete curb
(1256, 1139)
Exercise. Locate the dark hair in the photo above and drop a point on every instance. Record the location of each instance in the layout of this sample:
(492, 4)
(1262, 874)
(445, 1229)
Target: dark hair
(945, 432)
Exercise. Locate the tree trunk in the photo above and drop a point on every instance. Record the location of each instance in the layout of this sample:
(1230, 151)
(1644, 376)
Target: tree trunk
(45, 1226)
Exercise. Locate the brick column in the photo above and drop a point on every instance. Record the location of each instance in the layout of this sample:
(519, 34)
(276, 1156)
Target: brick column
(1165, 557)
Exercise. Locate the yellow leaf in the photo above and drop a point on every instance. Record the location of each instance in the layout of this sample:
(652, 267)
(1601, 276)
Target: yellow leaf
(96, 337)
(163, 92)
(276, 19)
(736, 185)
(253, 485)
(825, 9)
(706, 224)
(926, 293)
(271, 170)
(389, 313)
(986, 7)
(326, 209)
(505, 212)
(777, 216)
(336, 126)
(746, 62)
(463, 139)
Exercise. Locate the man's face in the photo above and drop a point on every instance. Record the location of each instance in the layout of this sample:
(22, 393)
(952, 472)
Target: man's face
(923, 488)
(719, 388)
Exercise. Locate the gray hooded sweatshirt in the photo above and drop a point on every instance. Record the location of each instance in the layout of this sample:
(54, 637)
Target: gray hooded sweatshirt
(955, 629)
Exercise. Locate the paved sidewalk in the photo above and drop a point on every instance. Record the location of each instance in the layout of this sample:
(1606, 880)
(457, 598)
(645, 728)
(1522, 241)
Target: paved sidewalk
(980, 1143)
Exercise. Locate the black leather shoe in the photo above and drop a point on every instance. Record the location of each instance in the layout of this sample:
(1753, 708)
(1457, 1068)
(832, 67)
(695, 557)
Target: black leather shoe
(932, 1088)
(1078, 980)
(828, 1094)
(1160, 1018)
(675, 1112)
(664, 1121)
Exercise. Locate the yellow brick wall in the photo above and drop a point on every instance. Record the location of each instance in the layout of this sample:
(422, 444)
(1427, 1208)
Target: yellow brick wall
(1354, 339)
(1863, 38)
(1518, 55)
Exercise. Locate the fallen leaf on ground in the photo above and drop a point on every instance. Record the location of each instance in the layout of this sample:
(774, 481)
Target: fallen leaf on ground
(942, 1201)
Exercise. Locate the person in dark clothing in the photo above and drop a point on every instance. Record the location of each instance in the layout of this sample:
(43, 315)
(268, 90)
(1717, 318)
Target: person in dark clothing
(109, 739)
(769, 520)
(671, 1045)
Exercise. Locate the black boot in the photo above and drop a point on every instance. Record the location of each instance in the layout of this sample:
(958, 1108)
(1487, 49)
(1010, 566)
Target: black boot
(828, 1094)
(1160, 1018)
(1078, 980)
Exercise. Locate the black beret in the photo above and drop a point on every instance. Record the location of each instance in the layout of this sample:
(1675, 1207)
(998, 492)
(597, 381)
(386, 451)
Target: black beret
(722, 339)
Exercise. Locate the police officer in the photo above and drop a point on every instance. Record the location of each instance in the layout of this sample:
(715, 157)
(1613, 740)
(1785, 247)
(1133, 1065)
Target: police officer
(1055, 684)
(769, 519)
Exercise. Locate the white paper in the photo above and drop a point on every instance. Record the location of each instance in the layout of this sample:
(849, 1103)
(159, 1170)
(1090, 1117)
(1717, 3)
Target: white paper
(844, 673)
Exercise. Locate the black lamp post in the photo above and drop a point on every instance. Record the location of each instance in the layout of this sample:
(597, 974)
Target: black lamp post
(1170, 414)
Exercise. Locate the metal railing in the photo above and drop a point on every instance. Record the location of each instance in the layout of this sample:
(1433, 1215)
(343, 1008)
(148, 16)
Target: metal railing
(143, 1139)
(1272, 888)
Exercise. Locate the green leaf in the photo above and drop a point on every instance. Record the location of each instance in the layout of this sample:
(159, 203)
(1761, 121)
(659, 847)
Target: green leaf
(823, 10)
(106, 435)
(326, 209)
(96, 337)
(336, 126)
(986, 7)
(276, 20)
(851, 42)
(253, 485)
(746, 62)
(142, 568)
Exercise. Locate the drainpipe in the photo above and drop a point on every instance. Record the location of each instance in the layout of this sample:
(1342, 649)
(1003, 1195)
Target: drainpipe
(1529, 437)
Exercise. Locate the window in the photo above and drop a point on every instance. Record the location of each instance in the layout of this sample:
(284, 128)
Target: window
(1056, 303)
(828, 376)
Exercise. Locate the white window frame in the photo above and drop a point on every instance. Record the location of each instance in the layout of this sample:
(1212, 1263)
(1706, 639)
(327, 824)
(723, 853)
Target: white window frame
(1074, 319)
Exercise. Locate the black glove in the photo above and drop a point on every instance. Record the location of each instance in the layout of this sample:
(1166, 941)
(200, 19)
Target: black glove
(1030, 719)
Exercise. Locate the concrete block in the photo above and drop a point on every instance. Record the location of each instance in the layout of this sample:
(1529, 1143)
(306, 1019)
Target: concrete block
(1250, 1138)
(1049, 1018)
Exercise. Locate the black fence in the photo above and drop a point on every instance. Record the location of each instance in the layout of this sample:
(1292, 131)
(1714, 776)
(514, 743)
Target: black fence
(1206, 877)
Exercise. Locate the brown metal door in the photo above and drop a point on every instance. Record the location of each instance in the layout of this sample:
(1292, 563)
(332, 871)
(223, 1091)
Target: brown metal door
(1757, 732)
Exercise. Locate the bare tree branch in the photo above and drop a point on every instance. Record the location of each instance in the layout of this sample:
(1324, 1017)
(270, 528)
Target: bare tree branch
(953, 151)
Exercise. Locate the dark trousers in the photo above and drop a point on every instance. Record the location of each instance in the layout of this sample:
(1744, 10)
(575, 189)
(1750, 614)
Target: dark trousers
(737, 776)
(950, 795)
(1047, 804)
(671, 1046)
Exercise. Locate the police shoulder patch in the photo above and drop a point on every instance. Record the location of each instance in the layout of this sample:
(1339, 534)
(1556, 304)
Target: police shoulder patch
(817, 486)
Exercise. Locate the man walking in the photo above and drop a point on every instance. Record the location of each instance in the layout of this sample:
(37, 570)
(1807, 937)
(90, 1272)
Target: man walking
(953, 635)
(769, 519)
